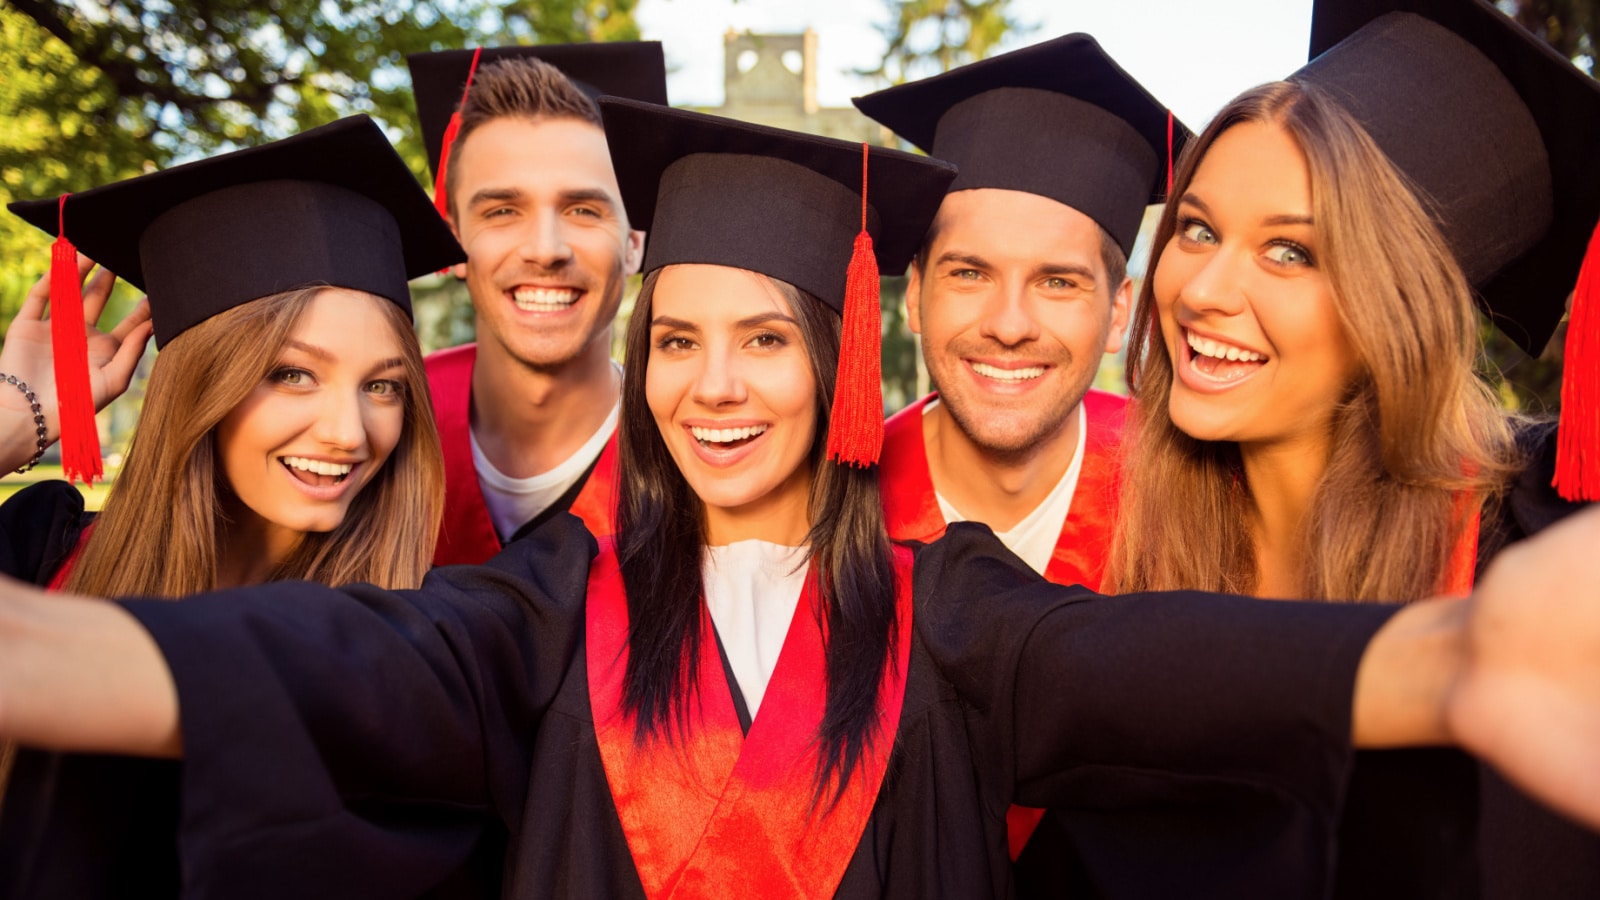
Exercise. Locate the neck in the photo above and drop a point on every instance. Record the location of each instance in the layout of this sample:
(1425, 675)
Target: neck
(251, 548)
(1283, 479)
(528, 421)
(997, 489)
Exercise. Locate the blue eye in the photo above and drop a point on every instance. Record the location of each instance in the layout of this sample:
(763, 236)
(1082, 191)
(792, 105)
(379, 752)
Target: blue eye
(1287, 253)
(1197, 231)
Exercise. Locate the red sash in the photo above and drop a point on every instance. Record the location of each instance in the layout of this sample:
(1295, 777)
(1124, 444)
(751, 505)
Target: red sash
(466, 534)
(714, 813)
(59, 579)
(1460, 570)
(911, 511)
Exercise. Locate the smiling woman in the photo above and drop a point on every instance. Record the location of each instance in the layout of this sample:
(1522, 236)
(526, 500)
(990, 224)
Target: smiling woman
(285, 434)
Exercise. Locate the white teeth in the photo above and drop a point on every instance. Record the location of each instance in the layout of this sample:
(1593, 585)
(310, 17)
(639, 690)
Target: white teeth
(725, 435)
(544, 299)
(317, 466)
(1208, 347)
(999, 374)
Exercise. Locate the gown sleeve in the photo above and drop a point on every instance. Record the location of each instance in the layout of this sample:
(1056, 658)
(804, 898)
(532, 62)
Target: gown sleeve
(362, 742)
(1192, 744)
(39, 528)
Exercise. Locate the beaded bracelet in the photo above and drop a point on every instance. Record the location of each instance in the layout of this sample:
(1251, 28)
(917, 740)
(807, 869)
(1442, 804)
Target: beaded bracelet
(38, 418)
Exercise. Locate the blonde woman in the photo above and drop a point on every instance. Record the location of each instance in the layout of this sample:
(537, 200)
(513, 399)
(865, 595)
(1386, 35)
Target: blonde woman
(286, 433)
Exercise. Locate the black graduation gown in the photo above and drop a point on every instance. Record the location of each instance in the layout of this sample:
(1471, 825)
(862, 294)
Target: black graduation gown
(1434, 823)
(360, 742)
(78, 825)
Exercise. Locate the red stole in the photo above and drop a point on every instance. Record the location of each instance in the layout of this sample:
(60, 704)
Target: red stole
(911, 511)
(59, 579)
(1462, 566)
(715, 813)
(467, 535)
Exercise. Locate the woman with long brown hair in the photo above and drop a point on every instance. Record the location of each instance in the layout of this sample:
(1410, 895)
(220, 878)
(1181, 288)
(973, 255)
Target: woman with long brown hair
(285, 433)
(1307, 422)
(729, 699)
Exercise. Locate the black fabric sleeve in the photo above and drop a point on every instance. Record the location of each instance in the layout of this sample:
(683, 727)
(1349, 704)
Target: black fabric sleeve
(358, 742)
(1185, 739)
(39, 527)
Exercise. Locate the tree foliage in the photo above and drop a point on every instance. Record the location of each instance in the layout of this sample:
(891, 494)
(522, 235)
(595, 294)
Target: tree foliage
(926, 37)
(96, 91)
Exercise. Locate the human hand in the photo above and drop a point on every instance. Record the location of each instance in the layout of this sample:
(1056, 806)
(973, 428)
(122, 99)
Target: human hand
(29, 355)
(1527, 697)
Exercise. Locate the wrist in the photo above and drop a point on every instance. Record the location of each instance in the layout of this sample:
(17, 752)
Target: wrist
(31, 439)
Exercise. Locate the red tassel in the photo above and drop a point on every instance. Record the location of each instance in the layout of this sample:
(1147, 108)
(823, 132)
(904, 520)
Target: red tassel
(1168, 191)
(1578, 445)
(440, 201)
(80, 438)
(855, 427)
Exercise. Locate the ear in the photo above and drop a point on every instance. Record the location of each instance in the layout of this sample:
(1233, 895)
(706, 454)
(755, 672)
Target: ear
(1121, 307)
(632, 252)
(914, 299)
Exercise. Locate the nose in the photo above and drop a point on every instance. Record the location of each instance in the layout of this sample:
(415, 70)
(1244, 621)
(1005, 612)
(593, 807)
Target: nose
(340, 424)
(1215, 287)
(544, 241)
(1009, 320)
(720, 381)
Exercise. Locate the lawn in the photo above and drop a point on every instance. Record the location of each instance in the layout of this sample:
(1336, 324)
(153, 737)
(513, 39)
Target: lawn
(94, 497)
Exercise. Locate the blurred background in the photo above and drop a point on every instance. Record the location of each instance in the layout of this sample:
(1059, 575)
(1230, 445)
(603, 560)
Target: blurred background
(93, 92)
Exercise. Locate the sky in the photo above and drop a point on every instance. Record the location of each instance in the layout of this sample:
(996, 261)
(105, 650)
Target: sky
(1194, 56)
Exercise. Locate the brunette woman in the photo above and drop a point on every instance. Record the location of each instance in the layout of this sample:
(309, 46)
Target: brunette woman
(285, 434)
(1307, 397)
(838, 717)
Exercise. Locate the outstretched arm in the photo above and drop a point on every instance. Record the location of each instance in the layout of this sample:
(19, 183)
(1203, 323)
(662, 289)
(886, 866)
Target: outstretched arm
(80, 674)
(29, 357)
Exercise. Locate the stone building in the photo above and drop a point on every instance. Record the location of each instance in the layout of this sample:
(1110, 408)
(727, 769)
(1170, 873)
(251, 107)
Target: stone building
(771, 79)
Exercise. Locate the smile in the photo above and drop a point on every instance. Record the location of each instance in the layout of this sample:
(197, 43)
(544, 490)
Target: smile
(316, 472)
(1216, 365)
(533, 299)
(1026, 373)
(726, 438)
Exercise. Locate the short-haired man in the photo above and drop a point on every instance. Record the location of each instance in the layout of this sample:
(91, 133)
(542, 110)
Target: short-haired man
(528, 414)
(1019, 290)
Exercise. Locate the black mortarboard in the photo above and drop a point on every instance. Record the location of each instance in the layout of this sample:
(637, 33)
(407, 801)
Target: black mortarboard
(1497, 131)
(334, 205)
(1059, 119)
(1498, 134)
(788, 205)
(633, 69)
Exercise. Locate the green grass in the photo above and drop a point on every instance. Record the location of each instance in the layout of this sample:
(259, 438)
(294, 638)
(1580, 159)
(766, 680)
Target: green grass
(94, 497)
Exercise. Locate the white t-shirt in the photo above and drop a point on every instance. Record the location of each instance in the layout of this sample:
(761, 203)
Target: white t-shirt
(752, 588)
(513, 502)
(1034, 538)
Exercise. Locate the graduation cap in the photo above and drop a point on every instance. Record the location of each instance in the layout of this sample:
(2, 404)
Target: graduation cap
(821, 214)
(1059, 119)
(334, 205)
(1497, 132)
(440, 82)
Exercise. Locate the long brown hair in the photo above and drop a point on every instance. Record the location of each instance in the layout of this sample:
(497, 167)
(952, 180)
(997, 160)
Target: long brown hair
(1416, 430)
(163, 524)
(661, 542)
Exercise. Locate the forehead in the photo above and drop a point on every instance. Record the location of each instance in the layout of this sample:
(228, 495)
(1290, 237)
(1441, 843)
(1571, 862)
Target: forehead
(1014, 227)
(349, 323)
(1254, 170)
(533, 154)
(705, 293)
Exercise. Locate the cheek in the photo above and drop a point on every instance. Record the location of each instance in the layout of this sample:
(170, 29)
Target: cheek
(246, 432)
(384, 425)
(662, 391)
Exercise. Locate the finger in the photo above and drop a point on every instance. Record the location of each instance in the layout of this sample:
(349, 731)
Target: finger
(84, 265)
(135, 317)
(119, 371)
(95, 295)
(32, 308)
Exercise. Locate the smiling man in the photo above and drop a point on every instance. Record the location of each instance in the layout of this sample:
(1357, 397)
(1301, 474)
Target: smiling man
(528, 414)
(1018, 291)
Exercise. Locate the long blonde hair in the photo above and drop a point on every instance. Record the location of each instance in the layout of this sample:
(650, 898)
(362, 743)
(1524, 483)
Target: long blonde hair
(1416, 430)
(163, 524)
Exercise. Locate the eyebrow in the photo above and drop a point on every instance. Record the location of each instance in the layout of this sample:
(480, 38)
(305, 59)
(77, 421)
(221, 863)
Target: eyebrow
(967, 259)
(589, 195)
(393, 362)
(494, 195)
(1283, 219)
(750, 322)
(1050, 269)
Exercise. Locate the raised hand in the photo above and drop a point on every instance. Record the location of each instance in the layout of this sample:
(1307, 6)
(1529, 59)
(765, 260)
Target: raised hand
(28, 355)
(1527, 698)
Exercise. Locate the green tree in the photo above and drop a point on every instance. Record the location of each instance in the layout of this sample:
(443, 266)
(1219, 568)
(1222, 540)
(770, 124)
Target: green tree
(1527, 383)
